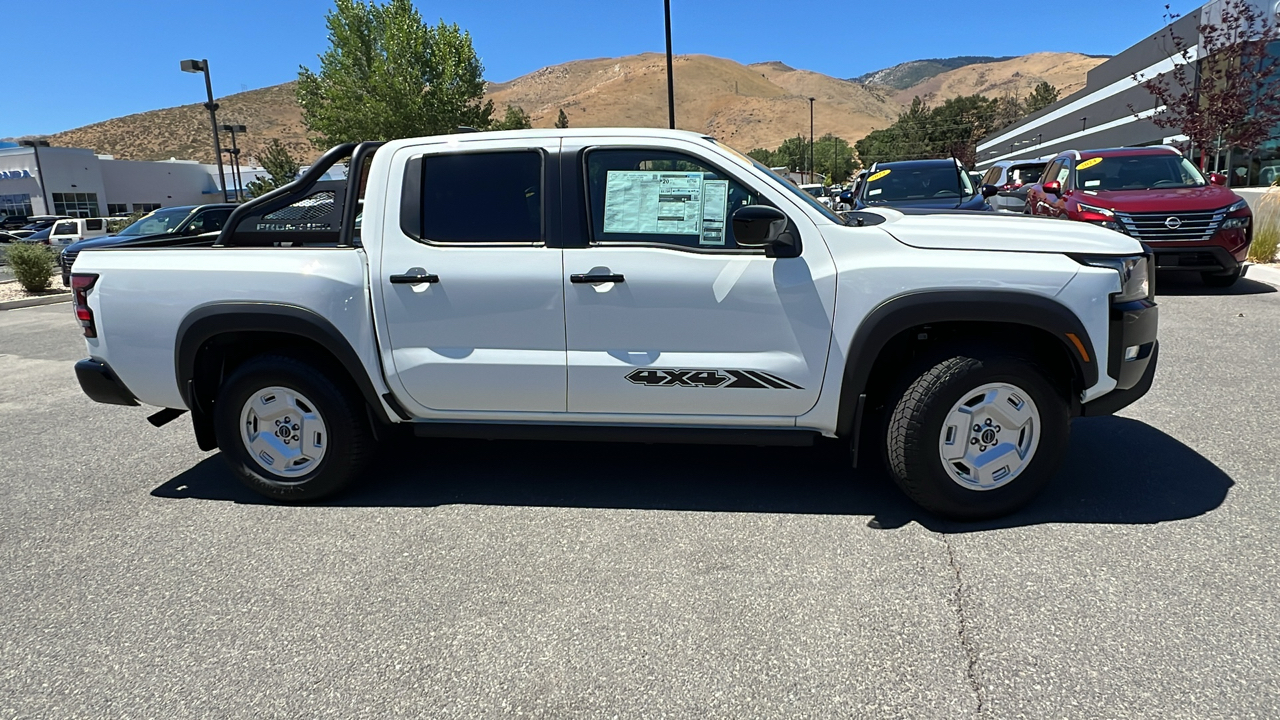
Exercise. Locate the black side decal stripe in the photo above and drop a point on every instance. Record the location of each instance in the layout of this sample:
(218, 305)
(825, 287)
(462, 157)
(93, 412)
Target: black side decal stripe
(766, 379)
(784, 381)
(743, 380)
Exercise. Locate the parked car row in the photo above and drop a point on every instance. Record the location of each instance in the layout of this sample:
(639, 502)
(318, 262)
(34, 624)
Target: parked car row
(161, 225)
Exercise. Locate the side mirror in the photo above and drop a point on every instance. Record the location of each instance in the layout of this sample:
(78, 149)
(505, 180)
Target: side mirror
(1053, 187)
(758, 225)
(1218, 178)
(847, 197)
(990, 191)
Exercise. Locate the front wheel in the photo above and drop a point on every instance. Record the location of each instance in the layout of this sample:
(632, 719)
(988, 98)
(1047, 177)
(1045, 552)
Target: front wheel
(288, 431)
(974, 438)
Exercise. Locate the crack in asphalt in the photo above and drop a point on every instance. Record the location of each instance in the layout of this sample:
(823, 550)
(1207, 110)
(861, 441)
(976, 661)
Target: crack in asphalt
(971, 652)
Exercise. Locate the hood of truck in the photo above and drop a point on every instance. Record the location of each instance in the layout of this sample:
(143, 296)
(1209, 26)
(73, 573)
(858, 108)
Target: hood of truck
(958, 230)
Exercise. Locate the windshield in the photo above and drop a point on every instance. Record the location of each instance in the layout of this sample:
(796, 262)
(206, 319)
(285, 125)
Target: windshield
(783, 182)
(160, 221)
(919, 183)
(1138, 172)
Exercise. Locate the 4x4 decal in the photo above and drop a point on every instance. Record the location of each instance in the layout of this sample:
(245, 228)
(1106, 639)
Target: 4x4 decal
(740, 379)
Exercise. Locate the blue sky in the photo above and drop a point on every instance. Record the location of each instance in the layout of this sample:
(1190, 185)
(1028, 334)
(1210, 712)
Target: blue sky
(107, 59)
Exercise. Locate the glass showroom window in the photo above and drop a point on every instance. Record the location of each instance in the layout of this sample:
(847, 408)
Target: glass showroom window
(16, 205)
(76, 204)
(146, 207)
(115, 209)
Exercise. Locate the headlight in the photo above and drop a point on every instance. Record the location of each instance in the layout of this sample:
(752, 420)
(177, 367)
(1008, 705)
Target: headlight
(1235, 223)
(1135, 274)
(1242, 205)
(1097, 210)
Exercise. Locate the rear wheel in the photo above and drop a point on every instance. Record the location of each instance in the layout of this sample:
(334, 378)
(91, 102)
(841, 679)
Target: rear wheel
(288, 432)
(974, 438)
(1222, 281)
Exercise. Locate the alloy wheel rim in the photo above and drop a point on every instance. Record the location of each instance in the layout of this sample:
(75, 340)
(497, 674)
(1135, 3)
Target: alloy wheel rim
(283, 432)
(990, 436)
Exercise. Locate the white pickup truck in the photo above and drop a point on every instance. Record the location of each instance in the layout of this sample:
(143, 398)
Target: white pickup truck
(623, 285)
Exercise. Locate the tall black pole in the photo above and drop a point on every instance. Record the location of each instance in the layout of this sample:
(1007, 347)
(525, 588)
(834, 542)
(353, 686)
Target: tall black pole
(671, 83)
(213, 123)
(812, 169)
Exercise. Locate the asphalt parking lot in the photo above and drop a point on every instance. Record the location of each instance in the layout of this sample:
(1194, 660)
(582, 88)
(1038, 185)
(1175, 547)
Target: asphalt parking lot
(473, 579)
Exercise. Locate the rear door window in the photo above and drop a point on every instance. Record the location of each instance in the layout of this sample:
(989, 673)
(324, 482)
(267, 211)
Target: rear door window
(66, 227)
(486, 197)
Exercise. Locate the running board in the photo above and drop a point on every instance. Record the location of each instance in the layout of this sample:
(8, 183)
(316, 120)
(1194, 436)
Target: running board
(619, 433)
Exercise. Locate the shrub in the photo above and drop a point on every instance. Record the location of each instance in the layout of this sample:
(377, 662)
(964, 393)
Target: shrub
(1266, 231)
(32, 265)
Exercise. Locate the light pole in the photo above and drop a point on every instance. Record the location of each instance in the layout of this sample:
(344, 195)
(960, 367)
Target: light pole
(671, 83)
(35, 146)
(811, 167)
(195, 66)
(234, 152)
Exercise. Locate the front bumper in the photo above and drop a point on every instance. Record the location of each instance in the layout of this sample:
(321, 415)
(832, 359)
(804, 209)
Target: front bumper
(100, 383)
(1223, 254)
(1131, 356)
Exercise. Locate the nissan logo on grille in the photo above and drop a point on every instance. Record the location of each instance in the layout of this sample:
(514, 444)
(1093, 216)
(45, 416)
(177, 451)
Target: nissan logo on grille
(1173, 223)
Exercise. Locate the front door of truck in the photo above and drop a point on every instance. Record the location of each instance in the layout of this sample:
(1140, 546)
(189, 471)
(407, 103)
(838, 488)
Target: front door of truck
(471, 295)
(667, 315)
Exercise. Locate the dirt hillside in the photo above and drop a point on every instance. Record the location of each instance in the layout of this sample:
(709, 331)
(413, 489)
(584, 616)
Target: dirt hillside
(1016, 77)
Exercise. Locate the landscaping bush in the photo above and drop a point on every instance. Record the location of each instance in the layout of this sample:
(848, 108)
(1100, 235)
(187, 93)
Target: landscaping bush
(1266, 230)
(32, 265)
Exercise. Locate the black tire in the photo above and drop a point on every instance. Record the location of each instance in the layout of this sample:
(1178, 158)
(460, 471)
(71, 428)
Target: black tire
(1222, 281)
(349, 443)
(917, 420)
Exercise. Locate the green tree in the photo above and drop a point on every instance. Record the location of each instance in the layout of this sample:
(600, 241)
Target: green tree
(1041, 97)
(388, 75)
(763, 156)
(515, 119)
(281, 166)
(562, 122)
(834, 158)
(951, 129)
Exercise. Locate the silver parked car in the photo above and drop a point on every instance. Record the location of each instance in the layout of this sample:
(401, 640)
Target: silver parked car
(1013, 178)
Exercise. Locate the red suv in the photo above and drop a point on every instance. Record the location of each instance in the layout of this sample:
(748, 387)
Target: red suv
(1156, 196)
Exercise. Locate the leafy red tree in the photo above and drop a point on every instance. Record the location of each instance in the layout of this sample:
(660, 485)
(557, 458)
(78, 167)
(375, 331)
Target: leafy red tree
(1232, 96)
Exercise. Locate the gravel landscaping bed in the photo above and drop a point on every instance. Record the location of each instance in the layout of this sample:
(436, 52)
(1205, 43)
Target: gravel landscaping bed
(14, 291)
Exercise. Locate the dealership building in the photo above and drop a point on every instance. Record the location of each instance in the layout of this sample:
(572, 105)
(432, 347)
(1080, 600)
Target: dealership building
(1100, 115)
(43, 180)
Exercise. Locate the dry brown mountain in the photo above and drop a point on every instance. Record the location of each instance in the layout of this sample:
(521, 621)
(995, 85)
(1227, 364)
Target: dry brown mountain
(1016, 77)
(746, 106)
(183, 132)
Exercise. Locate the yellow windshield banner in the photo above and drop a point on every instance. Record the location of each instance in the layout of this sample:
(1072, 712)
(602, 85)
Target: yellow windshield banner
(879, 176)
(1088, 163)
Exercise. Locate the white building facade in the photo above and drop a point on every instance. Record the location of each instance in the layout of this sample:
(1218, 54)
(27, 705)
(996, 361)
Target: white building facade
(79, 183)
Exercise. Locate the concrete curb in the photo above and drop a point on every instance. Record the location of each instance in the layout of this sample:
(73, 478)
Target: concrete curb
(35, 301)
(1263, 273)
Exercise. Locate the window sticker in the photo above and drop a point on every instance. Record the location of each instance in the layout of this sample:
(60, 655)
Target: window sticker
(879, 176)
(1092, 183)
(873, 193)
(654, 203)
(715, 210)
(1088, 163)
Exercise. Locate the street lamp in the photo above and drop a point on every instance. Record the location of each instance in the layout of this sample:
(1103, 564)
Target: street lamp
(197, 66)
(234, 152)
(671, 83)
(811, 167)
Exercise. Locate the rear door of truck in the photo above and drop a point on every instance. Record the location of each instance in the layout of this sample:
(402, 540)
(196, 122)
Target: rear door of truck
(470, 277)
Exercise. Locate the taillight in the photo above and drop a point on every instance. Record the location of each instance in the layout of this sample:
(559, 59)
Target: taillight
(81, 284)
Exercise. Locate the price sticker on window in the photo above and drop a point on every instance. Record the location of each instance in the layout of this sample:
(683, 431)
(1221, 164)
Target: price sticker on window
(1088, 163)
(879, 176)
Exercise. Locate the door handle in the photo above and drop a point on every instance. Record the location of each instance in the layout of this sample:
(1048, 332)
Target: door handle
(592, 279)
(414, 279)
